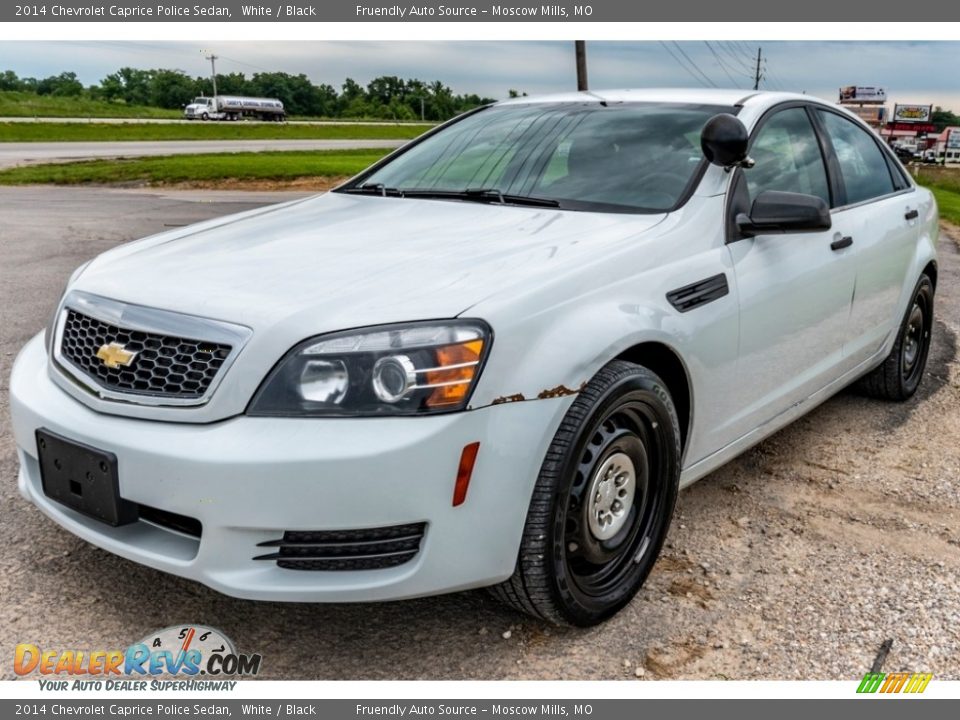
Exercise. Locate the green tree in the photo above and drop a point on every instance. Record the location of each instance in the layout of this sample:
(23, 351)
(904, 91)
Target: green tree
(10, 81)
(235, 83)
(942, 118)
(170, 89)
(64, 84)
(128, 84)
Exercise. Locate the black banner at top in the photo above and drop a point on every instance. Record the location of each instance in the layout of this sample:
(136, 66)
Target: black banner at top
(465, 11)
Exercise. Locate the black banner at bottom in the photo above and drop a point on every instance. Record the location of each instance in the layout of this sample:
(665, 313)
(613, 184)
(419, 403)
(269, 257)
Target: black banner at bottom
(873, 707)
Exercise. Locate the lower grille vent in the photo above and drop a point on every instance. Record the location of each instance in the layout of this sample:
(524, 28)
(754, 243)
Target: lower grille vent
(371, 549)
(171, 521)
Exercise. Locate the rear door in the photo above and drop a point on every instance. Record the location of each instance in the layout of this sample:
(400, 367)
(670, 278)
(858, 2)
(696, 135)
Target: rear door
(878, 206)
(794, 290)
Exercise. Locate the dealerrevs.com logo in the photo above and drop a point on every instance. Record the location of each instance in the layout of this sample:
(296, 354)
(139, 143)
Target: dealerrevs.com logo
(179, 650)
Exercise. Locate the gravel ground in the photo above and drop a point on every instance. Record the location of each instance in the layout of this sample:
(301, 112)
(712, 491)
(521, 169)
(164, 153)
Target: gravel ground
(793, 562)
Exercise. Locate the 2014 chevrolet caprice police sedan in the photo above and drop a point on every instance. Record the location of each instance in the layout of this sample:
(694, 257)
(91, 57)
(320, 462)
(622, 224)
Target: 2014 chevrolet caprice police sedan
(492, 359)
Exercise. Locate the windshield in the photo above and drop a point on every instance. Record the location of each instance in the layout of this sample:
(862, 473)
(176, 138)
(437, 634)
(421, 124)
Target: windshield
(200, 101)
(628, 157)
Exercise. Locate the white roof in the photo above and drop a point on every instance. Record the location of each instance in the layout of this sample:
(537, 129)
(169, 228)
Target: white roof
(702, 96)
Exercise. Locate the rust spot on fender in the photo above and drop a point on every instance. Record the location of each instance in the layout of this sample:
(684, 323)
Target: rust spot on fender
(559, 391)
(516, 397)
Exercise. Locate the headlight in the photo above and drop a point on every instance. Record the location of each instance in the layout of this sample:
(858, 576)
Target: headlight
(52, 324)
(407, 369)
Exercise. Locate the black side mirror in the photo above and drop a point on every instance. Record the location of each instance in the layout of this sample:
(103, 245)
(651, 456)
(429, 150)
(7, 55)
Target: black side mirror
(784, 212)
(724, 140)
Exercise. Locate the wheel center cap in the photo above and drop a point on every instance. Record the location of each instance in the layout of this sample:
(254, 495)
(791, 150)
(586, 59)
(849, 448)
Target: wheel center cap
(611, 495)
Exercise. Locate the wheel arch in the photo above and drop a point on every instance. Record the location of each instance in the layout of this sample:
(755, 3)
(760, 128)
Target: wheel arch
(931, 271)
(669, 366)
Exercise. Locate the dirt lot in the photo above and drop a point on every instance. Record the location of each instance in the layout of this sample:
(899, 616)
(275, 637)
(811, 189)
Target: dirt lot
(793, 562)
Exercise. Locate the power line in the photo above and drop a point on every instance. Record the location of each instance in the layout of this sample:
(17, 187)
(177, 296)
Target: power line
(695, 66)
(778, 82)
(773, 79)
(720, 62)
(735, 54)
(241, 62)
(680, 63)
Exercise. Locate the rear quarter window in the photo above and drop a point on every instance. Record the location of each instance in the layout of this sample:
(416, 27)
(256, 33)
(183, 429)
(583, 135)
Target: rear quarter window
(863, 167)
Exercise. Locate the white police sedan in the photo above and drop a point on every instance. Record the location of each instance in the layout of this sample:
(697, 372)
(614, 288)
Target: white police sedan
(492, 359)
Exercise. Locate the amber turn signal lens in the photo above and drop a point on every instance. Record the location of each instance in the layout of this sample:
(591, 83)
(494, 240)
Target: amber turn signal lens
(456, 367)
(464, 472)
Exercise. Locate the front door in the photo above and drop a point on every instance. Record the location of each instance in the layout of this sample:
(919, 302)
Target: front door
(795, 291)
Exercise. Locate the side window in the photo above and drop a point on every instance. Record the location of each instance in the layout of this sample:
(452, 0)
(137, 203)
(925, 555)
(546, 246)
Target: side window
(900, 181)
(862, 165)
(787, 157)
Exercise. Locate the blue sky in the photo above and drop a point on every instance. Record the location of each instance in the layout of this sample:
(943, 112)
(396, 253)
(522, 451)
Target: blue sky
(921, 72)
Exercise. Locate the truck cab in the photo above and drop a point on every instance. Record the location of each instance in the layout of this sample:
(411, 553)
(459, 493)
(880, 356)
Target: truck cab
(202, 108)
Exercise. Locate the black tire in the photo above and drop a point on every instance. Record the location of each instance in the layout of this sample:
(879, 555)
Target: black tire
(566, 572)
(204, 117)
(899, 376)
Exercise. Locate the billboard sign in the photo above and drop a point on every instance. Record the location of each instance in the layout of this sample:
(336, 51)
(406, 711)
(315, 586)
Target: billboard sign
(870, 114)
(953, 140)
(862, 94)
(912, 113)
(914, 128)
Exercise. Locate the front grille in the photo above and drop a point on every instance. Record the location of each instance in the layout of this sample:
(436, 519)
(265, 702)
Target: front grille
(372, 549)
(164, 365)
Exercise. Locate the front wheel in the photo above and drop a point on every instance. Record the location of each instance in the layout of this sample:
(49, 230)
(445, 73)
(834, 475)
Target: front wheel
(602, 503)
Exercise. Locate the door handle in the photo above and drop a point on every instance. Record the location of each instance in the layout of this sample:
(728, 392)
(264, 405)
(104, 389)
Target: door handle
(841, 243)
(912, 214)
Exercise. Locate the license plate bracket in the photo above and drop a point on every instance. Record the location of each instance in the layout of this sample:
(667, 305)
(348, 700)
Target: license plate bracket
(83, 478)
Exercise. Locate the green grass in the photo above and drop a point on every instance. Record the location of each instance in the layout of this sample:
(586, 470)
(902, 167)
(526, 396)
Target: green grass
(110, 132)
(945, 184)
(204, 168)
(949, 203)
(25, 104)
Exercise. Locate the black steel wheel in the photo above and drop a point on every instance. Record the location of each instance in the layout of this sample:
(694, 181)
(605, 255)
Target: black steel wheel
(603, 501)
(899, 376)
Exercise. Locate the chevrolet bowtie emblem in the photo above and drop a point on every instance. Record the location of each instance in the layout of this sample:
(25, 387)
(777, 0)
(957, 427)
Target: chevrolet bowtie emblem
(115, 355)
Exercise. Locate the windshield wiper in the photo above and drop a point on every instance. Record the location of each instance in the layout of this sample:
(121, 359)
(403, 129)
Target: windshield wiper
(483, 195)
(375, 189)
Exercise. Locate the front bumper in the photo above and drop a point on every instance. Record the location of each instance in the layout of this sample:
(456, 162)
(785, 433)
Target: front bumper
(248, 480)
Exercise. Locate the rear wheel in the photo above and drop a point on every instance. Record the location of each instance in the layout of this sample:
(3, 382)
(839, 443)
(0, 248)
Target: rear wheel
(901, 372)
(602, 503)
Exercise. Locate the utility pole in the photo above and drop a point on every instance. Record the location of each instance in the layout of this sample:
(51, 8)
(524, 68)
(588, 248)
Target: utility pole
(213, 68)
(581, 49)
(756, 79)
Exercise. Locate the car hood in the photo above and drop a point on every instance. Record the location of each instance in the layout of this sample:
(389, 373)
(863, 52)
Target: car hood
(339, 261)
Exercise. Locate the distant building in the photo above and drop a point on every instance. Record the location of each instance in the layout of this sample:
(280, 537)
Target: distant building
(948, 145)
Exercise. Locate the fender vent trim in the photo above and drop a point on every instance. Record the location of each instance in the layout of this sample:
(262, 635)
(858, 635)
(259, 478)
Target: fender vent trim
(699, 293)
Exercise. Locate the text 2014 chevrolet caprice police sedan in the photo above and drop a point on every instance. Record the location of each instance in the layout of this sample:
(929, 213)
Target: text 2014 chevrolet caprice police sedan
(492, 359)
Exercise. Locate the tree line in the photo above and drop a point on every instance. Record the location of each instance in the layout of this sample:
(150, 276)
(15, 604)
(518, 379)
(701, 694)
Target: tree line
(386, 97)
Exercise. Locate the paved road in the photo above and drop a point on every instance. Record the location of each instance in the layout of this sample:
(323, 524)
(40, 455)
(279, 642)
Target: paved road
(30, 153)
(180, 121)
(793, 562)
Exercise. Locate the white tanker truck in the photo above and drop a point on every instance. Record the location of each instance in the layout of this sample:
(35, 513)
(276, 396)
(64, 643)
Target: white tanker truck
(232, 107)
